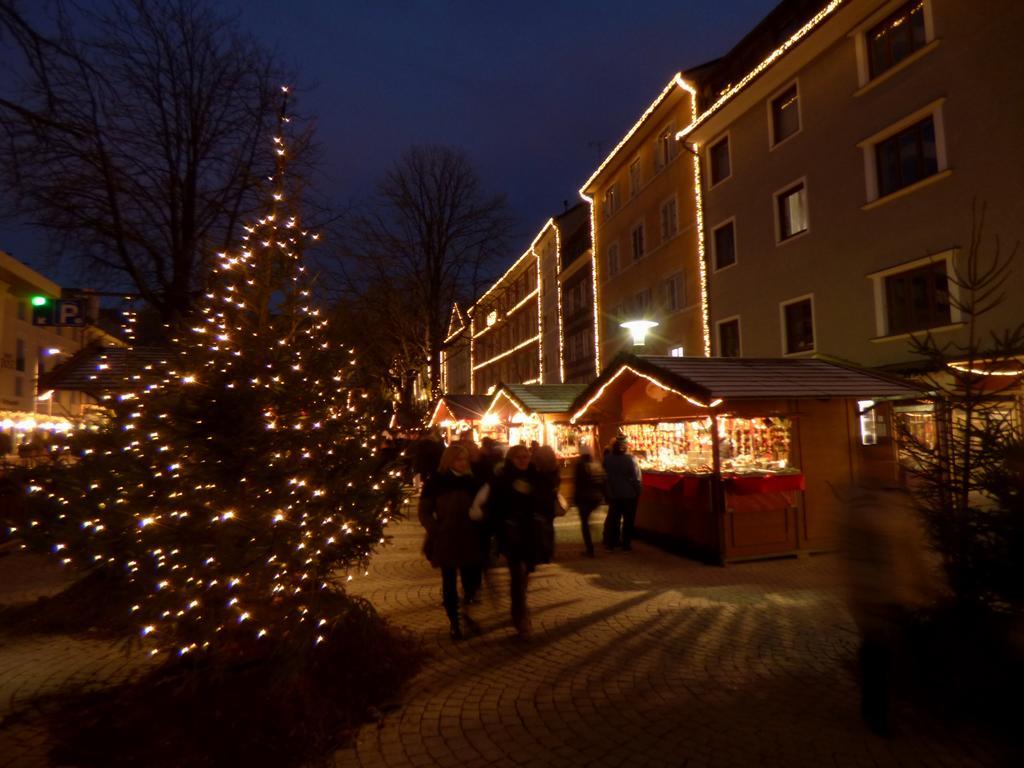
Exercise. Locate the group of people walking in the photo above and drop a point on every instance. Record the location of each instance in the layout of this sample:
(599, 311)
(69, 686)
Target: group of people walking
(475, 502)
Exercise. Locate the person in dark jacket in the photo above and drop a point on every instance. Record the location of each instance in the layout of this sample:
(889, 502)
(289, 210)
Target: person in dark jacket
(624, 483)
(453, 540)
(427, 454)
(588, 494)
(520, 511)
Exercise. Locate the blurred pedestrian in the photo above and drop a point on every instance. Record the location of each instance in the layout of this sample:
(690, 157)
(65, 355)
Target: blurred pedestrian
(891, 573)
(466, 441)
(515, 506)
(588, 494)
(427, 454)
(552, 504)
(624, 485)
(453, 540)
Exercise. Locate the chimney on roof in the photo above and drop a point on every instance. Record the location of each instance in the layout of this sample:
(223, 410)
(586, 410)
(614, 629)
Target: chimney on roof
(565, 206)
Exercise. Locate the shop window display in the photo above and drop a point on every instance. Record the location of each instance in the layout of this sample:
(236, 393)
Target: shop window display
(745, 445)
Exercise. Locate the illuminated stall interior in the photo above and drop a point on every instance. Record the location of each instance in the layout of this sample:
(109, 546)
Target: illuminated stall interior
(741, 457)
(526, 413)
(455, 414)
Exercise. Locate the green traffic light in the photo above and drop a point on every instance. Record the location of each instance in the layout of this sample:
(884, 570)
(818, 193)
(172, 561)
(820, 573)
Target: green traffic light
(40, 301)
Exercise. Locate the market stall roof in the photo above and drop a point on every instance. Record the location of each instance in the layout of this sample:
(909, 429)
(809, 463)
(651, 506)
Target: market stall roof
(539, 398)
(97, 369)
(460, 408)
(708, 381)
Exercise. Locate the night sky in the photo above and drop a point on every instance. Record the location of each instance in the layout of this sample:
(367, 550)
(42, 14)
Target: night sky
(536, 92)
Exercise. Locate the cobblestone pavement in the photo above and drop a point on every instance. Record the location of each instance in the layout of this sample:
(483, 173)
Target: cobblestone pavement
(639, 659)
(38, 665)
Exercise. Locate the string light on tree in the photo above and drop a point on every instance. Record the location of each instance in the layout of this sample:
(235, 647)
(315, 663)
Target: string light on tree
(228, 494)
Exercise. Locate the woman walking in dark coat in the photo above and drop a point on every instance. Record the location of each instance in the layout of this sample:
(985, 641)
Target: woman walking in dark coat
(520, 505)
(453, 539)
(588, 494)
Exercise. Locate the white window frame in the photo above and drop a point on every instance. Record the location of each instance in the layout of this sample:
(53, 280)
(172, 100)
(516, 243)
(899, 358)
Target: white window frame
(718, 333)
(949, 256)
(635, 181)
(611, 200)
(726, 137)
(859, 35)
(674, 200)
(782, 325)
(775, 211)
(634, 258)
(666, 140)
(714, 245)
(613, 248)
(678, 351)
(869, 148)
(679, 279)
(772, 143)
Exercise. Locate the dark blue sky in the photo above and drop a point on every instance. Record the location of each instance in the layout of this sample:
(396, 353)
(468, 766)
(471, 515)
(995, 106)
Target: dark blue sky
(535, 92)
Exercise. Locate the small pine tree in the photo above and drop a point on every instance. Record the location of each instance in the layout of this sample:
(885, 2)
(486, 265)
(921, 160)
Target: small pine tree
(226, 498)
(967, 477)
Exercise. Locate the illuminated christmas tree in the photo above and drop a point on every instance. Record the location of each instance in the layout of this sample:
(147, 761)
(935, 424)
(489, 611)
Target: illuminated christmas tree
(231, 497)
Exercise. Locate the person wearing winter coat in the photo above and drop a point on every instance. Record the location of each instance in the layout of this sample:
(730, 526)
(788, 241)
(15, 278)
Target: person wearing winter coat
(588, 494)
(624, 483)
(453, 539)
(520, 507)
(427, 454)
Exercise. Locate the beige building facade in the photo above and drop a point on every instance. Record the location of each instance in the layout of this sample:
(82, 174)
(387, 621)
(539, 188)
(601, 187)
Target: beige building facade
(28, 350)
(838, 184)
(515, 332)
(645, 233)
(576, 296)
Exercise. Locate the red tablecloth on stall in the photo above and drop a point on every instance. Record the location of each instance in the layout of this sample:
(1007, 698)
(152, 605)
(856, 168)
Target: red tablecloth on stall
(746, 484)
(661, 481)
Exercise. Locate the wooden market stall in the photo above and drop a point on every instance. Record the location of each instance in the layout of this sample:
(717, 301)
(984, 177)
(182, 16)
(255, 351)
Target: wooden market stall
(540, 412)
(528, 413)
(455, 414)
(742, 457)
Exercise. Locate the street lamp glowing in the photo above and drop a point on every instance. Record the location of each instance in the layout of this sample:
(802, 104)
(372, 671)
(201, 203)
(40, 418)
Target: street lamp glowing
(638, 330)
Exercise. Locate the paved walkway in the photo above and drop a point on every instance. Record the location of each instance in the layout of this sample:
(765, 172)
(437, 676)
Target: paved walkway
(637, 659)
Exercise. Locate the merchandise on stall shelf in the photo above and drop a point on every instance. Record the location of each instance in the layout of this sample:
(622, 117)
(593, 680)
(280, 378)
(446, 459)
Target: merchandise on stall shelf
(567, 439)
(745, 445)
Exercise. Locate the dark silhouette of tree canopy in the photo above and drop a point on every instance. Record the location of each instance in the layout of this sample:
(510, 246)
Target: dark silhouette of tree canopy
(134, 139)
(428, 239)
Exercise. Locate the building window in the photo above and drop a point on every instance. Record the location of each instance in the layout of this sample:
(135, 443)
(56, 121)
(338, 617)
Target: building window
(642, 303)
(669, 220)
(723, 240)
(917, 299)
(718, 156)
(674, 292)
(19, 355)
(21, 309)
(665, 149)
(634, 177)
(906, 157)
(611, 200)
(613, 259)
(612, 321)
(792, 211)
(798, 326)
(676, 352)
(896, 37)
(729, 338)
(785, 114)
(638, 242)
